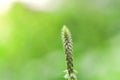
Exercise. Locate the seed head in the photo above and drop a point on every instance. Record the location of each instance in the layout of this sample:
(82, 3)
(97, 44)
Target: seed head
(67, 43)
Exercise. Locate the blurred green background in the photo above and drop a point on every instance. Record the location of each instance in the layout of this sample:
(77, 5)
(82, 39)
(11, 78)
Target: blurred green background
(31, 46)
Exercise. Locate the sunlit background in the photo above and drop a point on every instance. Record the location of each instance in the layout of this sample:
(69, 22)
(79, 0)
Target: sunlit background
(31, 46)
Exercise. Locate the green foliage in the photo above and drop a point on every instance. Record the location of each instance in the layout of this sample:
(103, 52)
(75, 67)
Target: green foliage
(30, 42)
